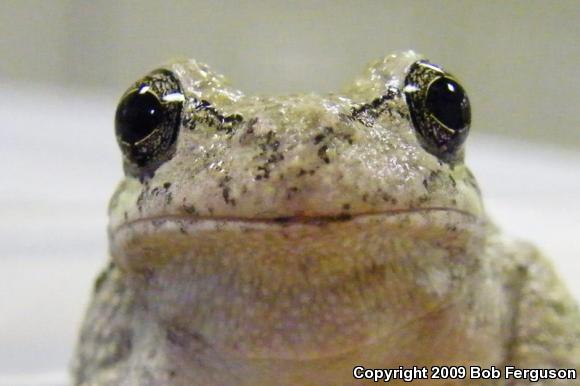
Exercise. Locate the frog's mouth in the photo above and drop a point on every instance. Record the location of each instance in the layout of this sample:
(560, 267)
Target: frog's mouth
(159, 220)
(159, 239)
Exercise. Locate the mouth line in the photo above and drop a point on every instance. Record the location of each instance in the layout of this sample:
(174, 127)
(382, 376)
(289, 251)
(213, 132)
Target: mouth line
(290, 220)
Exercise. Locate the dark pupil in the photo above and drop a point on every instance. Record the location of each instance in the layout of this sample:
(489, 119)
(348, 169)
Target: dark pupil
(138, 115)
(447, 101)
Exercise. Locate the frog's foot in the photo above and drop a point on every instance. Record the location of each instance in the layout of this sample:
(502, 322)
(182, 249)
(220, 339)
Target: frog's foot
(546, 326)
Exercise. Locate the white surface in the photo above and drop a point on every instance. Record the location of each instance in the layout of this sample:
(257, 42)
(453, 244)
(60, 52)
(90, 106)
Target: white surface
(60, 164)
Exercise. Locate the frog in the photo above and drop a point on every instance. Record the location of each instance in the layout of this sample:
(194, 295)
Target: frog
(302, 239)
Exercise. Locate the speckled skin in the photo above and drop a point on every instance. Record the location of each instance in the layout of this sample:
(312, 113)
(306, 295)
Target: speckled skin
(308, 235)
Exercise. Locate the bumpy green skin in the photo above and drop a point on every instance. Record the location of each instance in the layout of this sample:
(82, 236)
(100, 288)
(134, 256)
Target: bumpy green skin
(306, 236)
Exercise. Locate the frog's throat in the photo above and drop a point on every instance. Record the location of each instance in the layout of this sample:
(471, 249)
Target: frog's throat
(301, 289)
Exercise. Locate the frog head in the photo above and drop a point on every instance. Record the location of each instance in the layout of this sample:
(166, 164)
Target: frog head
(392, 141)
(268, 198)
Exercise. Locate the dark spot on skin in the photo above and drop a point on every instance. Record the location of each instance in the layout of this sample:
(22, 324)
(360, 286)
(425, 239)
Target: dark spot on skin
(190, 122)
(122, 348)
(275, 158)
(251, 124)
(345, 206)
(155, 192)
(167, 185)
(226, 196)
(140, 199)
(452, 181)
(365, 197)
(303, 172)
(206, 113)
(377, 102)
(270, 136)
(185, 339)
(328, 134)
(291, 192)
(318, 139)
(226, 190)
(237, 118)
(125, 215)
(326, 131)
(523, 270)
(377, 270)
(265, 172)
(368, 113)
(203, 104)
(269, 152)
(348, 138)
(471, 181)
(423, 199)
(247, 136)
(322, 154)
(432, 181)
(388, 198)
(190, 209)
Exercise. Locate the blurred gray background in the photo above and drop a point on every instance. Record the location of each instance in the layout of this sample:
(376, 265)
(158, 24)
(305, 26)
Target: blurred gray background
(517, 59)
(64, 64)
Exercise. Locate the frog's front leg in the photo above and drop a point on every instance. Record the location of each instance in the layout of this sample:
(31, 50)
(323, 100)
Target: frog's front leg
(546, 323)
(105, 342)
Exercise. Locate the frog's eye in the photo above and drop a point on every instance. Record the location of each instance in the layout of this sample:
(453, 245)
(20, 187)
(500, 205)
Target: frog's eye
(147, 121)
(439, 109)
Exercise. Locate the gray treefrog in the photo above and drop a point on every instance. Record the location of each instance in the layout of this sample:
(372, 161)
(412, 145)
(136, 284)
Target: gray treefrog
(285, 240)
